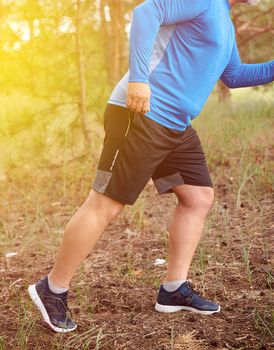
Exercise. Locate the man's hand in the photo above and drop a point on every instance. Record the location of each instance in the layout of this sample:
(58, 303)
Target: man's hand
(138, 98)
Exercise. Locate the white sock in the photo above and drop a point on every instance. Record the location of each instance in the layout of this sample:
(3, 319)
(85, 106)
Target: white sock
(171, 286)
(56, 289)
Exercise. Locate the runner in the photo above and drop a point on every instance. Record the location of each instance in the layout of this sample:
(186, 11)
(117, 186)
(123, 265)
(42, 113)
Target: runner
(178, 51)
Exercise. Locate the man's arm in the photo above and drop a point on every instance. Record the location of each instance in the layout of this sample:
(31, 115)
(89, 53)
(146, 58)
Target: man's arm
(146, 22)
(147, 19)
(238, 74)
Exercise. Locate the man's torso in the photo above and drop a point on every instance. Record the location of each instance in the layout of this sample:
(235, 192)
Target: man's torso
(187, 60)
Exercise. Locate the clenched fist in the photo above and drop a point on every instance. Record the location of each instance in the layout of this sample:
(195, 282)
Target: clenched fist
(138, 98)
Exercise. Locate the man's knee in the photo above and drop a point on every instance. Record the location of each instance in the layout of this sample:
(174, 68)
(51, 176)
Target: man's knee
(196, 198)
(105, 206)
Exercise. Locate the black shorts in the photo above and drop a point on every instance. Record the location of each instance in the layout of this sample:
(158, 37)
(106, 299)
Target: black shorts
(136, 148)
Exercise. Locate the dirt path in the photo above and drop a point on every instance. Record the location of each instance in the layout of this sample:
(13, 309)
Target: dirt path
(113, 295)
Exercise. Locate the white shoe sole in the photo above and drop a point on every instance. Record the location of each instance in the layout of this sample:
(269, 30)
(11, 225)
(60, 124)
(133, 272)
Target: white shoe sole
(38, 302)
(170, 309)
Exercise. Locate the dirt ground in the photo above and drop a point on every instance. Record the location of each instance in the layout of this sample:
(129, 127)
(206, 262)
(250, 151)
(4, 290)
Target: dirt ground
(112, 296)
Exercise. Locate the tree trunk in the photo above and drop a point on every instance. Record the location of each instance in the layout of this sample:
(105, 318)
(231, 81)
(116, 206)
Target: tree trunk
(116, 42)
(223, 92)
(82, 80)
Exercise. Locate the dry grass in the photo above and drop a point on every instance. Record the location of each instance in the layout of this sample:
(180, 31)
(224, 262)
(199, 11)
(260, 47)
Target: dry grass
(113, 293)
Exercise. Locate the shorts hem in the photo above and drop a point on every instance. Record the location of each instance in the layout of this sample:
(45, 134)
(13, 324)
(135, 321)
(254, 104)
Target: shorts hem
(117, 197)
(192, 183)
(166, 183)
(185, 183)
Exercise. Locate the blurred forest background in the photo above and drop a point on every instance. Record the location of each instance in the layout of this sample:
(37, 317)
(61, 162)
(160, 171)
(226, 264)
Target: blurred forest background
(59, 61)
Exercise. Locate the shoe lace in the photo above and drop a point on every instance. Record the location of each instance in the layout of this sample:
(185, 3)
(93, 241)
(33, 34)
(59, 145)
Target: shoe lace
(192, 291)
(59, 304)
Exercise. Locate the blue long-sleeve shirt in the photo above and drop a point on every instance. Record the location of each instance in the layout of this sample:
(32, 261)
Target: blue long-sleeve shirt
(181, 48)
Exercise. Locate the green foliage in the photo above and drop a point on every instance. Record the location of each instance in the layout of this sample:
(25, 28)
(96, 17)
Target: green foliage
(233, 135)
(39, 81)
(254, 30)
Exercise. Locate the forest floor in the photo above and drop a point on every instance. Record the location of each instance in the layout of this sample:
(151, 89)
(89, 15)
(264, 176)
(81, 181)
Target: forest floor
(112, 296)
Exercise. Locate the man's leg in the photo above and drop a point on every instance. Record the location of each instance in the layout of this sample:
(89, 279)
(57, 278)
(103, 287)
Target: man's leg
(186, 228)
(81, 234)
(184, 171)
(184, 235)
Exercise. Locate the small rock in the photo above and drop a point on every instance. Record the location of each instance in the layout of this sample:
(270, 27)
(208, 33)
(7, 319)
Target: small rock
(130, 233)
(159, 262)
(10, 254)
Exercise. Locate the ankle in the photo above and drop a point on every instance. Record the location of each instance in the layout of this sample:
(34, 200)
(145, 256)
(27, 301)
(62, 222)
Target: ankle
(56, 287)
(176, 276)
(171, 286)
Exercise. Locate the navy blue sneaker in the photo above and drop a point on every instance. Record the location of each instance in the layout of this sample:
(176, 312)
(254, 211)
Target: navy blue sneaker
(184, 298)
(53, 307)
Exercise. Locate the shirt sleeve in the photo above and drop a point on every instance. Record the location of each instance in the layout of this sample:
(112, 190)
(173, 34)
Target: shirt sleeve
(147, 19)
(238, 74)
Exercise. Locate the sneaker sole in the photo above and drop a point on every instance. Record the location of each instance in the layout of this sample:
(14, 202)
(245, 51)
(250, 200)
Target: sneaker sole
(38, 302)
(170, 309)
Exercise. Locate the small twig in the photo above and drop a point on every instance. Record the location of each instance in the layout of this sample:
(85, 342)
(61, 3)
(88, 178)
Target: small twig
(266, 326)
(13, 283)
